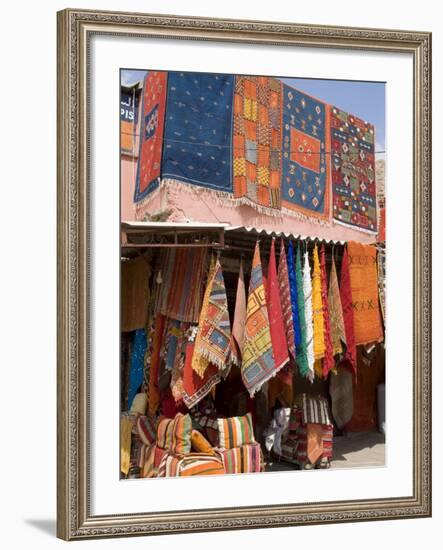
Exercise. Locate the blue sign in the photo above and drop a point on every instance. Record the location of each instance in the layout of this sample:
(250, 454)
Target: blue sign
(128, 106)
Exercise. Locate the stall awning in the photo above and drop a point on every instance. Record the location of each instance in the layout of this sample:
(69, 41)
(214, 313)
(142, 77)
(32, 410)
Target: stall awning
(255, 232)
(163, 228)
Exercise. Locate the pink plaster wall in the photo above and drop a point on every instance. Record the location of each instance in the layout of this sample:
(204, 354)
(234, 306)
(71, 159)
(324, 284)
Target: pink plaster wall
(128, 175)
(188, 203)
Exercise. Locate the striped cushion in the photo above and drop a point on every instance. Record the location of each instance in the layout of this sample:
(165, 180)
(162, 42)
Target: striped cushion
(235, 431)
(198, 464)
(194, 464)
(243, 460)
(159, 455)
(146, 429)
(174, 435)
(148, 461)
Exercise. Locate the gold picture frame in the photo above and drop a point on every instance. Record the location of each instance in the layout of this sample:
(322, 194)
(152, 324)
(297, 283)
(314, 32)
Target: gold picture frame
(75, 29)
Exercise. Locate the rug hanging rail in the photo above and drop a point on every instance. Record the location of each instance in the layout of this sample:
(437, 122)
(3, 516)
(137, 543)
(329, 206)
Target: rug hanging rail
(199, 237)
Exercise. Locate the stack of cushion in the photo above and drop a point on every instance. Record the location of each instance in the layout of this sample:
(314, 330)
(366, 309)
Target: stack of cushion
(171, 447)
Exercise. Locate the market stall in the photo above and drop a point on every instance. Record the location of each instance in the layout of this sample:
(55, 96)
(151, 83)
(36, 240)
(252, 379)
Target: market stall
(241, 347)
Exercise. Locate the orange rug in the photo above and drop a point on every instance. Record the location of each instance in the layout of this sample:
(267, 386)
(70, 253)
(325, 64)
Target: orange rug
(364, 290)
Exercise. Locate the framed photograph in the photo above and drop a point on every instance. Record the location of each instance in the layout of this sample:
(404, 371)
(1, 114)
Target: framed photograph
(244, 293)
